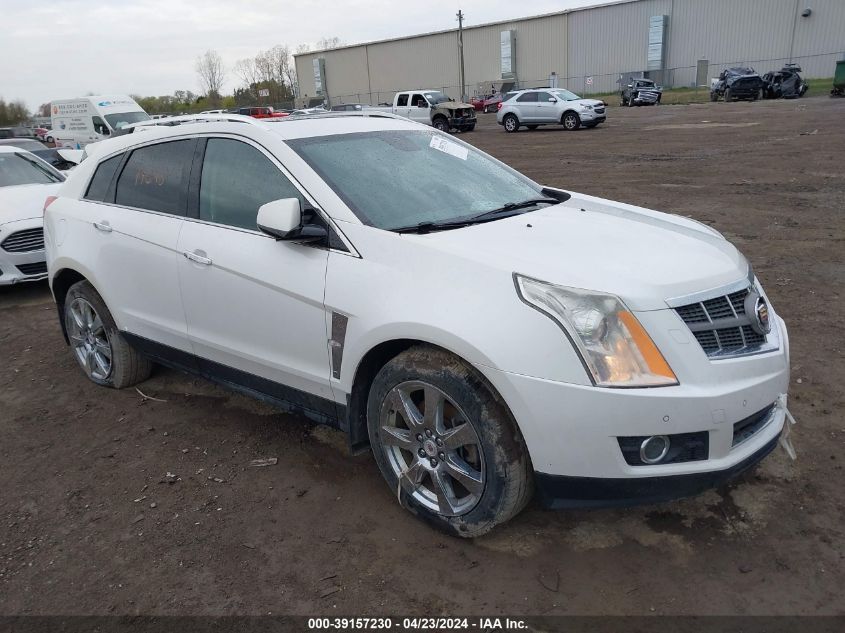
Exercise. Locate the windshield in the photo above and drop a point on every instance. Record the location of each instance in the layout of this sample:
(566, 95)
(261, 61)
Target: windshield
(19, 169)
(565, 94)
(122, 119)
(436, 97)
(399, 178)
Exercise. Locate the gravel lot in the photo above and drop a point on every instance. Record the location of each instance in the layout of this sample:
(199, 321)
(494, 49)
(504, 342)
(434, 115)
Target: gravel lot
(91, 522)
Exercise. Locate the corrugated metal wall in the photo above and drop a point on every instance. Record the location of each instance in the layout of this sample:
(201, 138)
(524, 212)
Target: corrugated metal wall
(607, 41)
(597, 43)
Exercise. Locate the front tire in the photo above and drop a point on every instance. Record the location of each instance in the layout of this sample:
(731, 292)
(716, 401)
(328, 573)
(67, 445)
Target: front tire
(440, 123)
(446, 443)
(570, 121)
(97, 345)
(511, 123)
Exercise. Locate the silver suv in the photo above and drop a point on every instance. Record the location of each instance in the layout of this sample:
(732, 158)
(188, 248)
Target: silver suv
(549, 106)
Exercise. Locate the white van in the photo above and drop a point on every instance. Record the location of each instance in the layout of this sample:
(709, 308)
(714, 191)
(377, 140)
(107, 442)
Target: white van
(77, 122)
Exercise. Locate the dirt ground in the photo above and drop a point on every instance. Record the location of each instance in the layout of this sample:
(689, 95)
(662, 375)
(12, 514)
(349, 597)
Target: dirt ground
(91, 522)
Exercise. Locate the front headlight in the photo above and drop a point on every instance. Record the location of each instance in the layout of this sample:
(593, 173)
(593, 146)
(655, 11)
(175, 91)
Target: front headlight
(587, 107)
(614, 347)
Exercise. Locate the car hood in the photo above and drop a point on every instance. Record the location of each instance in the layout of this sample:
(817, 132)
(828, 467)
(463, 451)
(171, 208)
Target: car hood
(589, 102)
(644, 257)
(452, 105)
(24, 201)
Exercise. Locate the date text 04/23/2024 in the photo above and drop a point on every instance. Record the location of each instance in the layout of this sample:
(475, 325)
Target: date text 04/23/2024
(416, 624)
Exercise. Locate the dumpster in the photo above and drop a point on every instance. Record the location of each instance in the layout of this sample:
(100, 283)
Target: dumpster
(839, 80)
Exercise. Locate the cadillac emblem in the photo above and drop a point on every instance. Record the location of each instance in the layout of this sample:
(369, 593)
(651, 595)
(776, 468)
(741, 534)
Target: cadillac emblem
(758, 312)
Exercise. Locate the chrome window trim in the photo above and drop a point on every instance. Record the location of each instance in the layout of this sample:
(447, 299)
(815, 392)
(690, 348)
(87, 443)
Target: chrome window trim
(352, 251)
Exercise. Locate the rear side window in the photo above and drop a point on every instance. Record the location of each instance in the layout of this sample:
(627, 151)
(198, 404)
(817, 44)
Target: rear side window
(156, 177)
(527, 97)
(99, 187)
(236, 180)
(402, 100)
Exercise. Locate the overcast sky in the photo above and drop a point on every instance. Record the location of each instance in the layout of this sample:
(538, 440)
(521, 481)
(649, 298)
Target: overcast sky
(56, 49)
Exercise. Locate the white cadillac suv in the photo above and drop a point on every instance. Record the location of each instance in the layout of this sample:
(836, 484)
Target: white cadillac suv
(483, 335)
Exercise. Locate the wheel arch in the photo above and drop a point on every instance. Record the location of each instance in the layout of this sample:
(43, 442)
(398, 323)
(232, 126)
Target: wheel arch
(60, 283)
(369, 365)
(568, 111)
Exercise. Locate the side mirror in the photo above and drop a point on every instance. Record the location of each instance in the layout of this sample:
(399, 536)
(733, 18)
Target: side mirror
(283, 220)
(552, 100)
(279, 217)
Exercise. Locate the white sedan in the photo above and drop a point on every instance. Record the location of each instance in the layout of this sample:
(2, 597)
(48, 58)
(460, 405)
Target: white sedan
(25, 183)
(484, 335)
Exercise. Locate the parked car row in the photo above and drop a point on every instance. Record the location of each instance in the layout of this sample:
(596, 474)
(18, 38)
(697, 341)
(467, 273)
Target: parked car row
(744, 83)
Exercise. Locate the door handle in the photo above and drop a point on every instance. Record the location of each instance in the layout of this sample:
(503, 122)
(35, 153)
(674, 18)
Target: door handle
(198, 257)
(103, 226)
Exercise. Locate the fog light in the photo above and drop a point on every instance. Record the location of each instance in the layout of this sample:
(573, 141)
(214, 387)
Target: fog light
(654, 448)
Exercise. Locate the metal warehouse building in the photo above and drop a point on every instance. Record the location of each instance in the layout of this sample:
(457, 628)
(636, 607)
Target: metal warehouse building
(676, 42)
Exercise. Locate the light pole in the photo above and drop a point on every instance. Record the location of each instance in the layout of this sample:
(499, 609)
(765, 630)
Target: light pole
(461, 52)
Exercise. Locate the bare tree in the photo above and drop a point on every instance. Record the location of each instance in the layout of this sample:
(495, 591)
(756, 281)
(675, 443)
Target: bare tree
(327, 43)
(211, 72)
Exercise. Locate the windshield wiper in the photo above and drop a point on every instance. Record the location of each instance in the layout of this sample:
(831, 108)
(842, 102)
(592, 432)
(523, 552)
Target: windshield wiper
(512, 206)
(428, 227)
(486, 216)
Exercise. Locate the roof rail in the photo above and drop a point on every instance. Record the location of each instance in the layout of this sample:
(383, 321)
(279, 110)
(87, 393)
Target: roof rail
(194, 118)
(332, 115)
(240, 118)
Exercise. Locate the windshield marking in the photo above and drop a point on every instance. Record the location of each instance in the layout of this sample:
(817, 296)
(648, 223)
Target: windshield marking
(453, 149)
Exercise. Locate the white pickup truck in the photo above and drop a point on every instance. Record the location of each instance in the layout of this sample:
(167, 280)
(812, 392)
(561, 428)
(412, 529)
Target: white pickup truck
(432, 107)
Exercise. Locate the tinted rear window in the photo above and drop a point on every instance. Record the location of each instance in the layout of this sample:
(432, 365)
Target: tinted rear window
(156, 177)
(99, 186)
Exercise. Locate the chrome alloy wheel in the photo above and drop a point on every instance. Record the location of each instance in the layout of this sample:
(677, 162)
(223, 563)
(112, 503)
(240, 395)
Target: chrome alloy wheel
(570, 121)
(510, 124)
(432, 448)
(89, 339)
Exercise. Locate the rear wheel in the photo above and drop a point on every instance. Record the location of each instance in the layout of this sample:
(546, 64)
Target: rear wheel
(96, 343)
(446, 444)
(571, 121)
(511, 123)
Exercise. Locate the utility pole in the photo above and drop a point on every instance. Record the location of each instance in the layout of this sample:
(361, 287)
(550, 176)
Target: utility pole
(461, 52)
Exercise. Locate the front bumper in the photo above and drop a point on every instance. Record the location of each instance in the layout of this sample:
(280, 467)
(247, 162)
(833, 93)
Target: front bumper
(590, 116)
(558, 492)
(462, 121)
(17, 267)
(572, 431)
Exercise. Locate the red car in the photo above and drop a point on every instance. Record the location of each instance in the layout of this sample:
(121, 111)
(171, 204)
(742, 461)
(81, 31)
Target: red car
(262, 112)
(488, 103)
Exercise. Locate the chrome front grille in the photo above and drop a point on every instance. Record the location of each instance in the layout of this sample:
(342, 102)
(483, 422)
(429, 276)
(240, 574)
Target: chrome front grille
(24, 241)
(721, 326)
